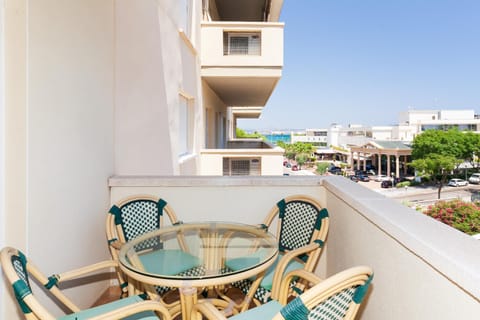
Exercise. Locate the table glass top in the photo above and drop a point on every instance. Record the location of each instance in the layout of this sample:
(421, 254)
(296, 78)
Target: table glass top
(193, 251)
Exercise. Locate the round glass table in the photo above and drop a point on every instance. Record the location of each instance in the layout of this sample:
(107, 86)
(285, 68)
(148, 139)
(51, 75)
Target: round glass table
(197, 255)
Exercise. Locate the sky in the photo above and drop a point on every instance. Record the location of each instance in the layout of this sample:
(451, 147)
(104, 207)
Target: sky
(364, 62)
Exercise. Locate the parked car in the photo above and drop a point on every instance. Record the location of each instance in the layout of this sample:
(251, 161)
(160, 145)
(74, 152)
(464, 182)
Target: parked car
(335, 170)
(386, 184)
(382, 177)
(294, 167)
(474, 178)
(457, 182)
(363, 177)
(354, 178)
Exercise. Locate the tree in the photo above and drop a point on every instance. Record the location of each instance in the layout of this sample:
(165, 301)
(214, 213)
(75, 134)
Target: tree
(437, 153)
(301, 159)
(299, 151)
(437, 166)
(239, 133)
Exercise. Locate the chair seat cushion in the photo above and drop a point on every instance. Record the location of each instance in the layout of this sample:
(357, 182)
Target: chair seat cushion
(89, 313)
(265, 311)
(160, 261)
(245, 262)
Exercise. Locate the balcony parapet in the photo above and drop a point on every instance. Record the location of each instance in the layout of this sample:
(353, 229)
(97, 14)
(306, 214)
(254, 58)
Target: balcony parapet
(215, 44)
(423, 268)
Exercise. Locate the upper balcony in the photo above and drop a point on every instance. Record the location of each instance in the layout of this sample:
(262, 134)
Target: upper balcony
(242, 61)
(246, 157)
(423, 268)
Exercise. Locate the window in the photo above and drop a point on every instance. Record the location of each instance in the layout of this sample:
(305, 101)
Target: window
(241, 167)
(185, 123)
(241, 43)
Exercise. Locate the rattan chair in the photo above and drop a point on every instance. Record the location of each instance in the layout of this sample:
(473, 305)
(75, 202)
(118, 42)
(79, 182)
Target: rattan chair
(138, 215)
(302, 227)
(338, 297)
(18, 271)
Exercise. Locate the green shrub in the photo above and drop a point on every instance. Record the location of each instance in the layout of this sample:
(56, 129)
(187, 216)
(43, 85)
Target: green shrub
(463, 216)
(322, 167)
(403, 184)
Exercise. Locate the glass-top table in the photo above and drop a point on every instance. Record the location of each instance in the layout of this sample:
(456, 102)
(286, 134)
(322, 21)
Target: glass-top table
(197, 255)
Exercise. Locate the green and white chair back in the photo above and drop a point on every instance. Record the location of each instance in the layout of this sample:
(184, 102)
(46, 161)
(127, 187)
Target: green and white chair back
(302, 226)
(300, 220)
(138, 215)
(18, 270)
(335, 298)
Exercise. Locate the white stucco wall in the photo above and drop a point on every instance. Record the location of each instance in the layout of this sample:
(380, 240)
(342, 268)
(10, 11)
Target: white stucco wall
(153, 65)
(59, 135)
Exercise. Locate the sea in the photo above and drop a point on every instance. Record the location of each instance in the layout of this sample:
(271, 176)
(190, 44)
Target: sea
(274, 138)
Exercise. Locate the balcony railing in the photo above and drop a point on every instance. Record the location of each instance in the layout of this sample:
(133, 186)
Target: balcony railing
(252, 157)
(423, 268)
(243, 44)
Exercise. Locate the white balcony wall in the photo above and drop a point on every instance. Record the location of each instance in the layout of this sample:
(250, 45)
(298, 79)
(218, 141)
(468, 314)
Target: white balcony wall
(59, 108)
(271, 160)
(155, 63)
(271, 44)
(423, 269)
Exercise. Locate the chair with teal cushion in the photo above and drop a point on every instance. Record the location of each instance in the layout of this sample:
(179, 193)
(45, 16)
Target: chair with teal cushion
(138, 215)
(335, 298)
(18, 271)
(301, 229)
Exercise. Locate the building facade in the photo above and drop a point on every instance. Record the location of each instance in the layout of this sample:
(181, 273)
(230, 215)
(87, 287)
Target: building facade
(96, 88)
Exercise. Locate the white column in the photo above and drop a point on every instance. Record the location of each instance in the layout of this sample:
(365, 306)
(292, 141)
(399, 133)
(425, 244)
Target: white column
(379, 163)
(397, 166)
(388, 165)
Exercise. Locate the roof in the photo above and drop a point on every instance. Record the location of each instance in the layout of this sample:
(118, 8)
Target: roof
(389, 145)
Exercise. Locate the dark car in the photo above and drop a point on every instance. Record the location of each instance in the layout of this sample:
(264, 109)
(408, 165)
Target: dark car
(387, 184)
(335, 170)
(354, 178)
(363, 177)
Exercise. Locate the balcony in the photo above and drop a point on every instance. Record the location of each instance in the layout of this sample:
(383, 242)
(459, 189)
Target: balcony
(242, 61)
(423, 269)
(243, 157)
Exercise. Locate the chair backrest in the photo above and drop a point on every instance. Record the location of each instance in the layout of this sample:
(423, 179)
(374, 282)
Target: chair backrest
(301, 221)
(335, 298)
(17, 270)
(137, 215)
(133, 217)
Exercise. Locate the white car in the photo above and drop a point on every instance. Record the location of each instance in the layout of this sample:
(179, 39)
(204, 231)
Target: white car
(382, 177)
(457, 182)
(474, 178)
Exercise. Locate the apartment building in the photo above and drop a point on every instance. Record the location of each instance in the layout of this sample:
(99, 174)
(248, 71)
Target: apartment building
(97, 88)
(410, 124)
(109, 99)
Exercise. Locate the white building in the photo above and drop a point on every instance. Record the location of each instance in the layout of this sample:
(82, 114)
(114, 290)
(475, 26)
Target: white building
(317, 137)
(411, 123)
(104, 99)
(96, 88)
(420, 120)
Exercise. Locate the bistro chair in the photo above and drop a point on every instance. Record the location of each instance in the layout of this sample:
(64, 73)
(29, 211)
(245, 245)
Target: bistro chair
(137, 215)
(18, 271)
(338, 297)
(302, 227)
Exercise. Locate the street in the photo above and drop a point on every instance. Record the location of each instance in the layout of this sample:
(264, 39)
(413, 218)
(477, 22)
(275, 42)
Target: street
(424, 195)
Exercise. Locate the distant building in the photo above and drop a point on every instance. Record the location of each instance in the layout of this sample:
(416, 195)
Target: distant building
(418, 121)
(317, 137)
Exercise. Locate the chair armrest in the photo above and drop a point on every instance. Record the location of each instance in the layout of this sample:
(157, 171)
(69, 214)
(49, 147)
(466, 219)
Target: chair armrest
(208, 311)
(116, 244)
(122, 312)
(72, 274)
(284, 287)
(283, 263)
